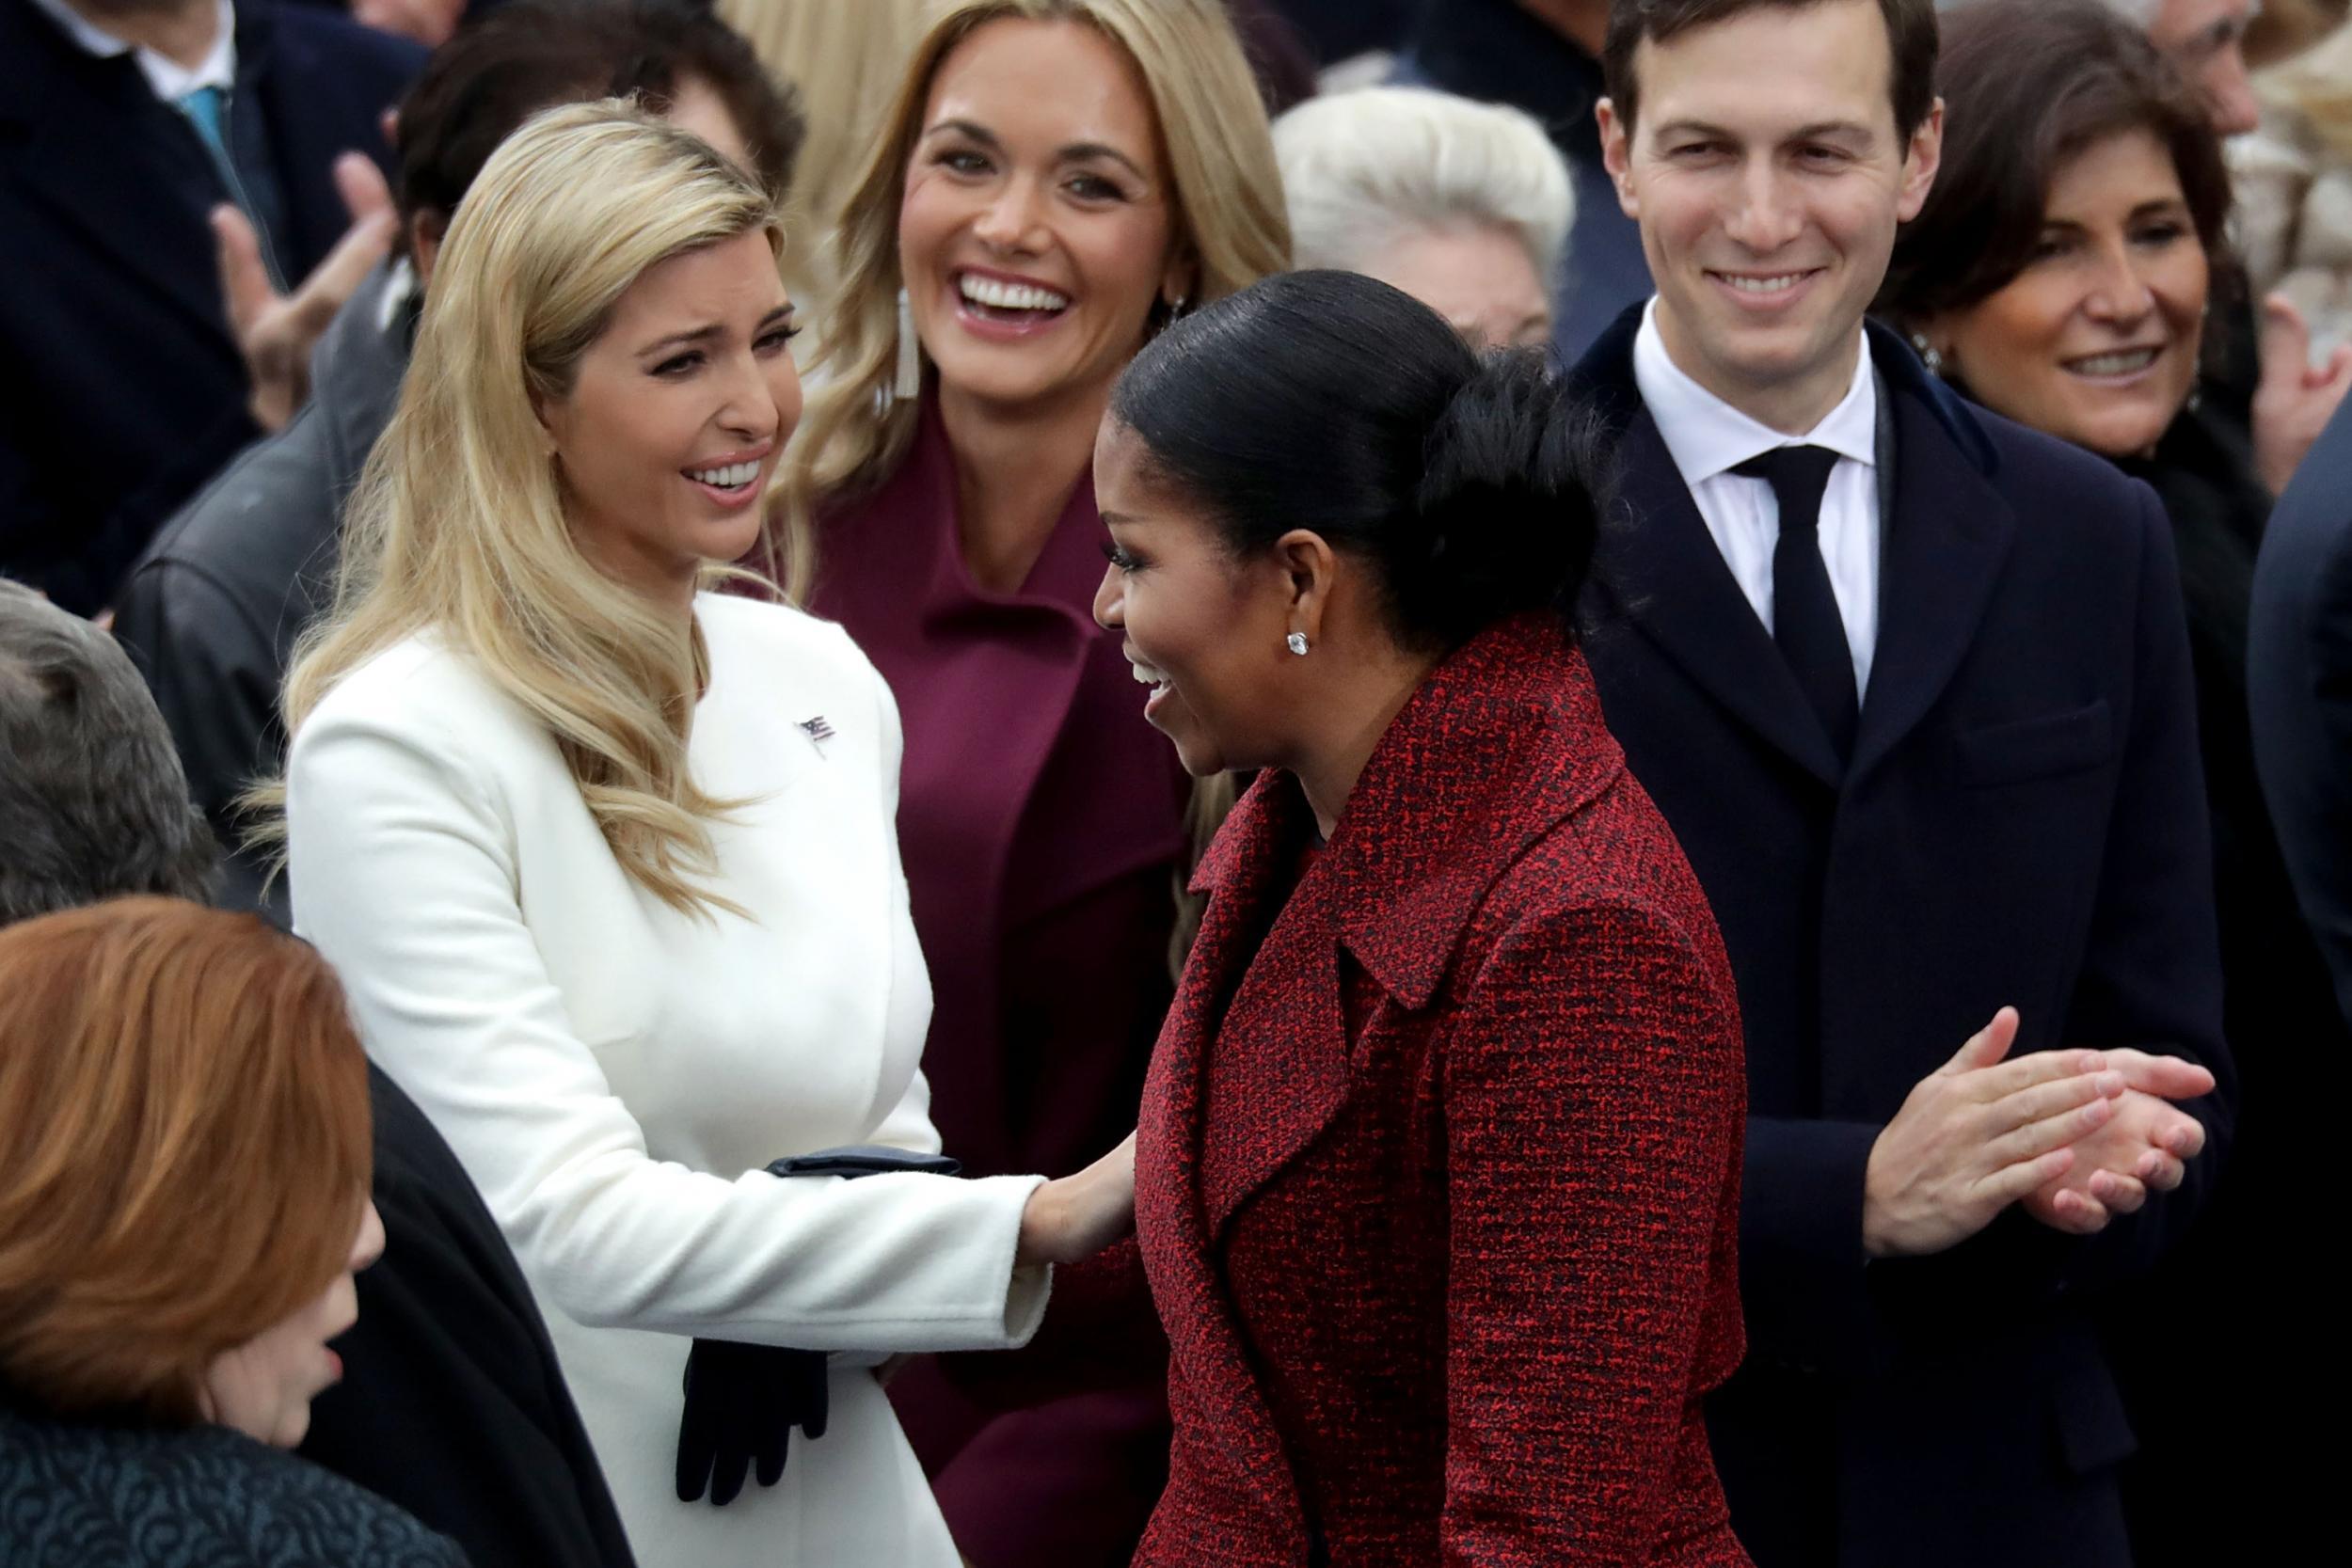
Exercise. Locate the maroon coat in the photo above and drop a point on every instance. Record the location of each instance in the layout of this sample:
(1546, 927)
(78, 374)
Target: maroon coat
(1042, 824)
(1437, 1183)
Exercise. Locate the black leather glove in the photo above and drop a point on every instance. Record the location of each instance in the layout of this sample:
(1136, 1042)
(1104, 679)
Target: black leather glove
(744, 1401)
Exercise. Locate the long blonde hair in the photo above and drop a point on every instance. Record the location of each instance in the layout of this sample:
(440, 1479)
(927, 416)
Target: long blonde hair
(844, 58)
(1228, 206)
(458, 526)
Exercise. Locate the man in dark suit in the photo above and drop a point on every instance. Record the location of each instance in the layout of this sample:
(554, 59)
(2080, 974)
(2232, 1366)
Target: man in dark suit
(453, 1404)
(1912, 687)
(126, 123)
(2299, 688)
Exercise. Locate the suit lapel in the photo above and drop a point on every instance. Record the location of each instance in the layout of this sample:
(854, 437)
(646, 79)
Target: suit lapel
(1945, 541)
(1663, 571)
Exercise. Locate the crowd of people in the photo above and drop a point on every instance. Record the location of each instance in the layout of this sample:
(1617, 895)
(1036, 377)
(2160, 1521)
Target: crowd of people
(1231, 783)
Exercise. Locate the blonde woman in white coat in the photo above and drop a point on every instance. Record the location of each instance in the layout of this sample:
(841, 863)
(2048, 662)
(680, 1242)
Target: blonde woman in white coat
(623, 933)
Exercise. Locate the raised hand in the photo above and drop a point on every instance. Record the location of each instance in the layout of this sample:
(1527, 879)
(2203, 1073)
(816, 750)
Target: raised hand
(1976, 1135)
(2294, 402)
(275, 332)
(2145, 1148)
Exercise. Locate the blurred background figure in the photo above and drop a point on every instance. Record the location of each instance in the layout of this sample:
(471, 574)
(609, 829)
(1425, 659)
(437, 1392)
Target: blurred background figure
(1463, 206)
(1056, 181)
(127, 122)
(2061, 273)
(184, 1203)
(452, 1404)
(212, 609)
(1544, 56)
(2294, 188)
(844, 63)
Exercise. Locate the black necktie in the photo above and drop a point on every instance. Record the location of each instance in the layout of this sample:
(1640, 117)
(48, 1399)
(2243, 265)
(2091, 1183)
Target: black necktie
(1805, 621)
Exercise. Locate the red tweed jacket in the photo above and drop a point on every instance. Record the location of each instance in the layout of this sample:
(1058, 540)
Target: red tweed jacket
(1438, 1182)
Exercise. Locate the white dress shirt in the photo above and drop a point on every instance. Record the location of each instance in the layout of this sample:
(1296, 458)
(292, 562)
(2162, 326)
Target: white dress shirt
(170, 80)
(614, 1073)
(1707, 437)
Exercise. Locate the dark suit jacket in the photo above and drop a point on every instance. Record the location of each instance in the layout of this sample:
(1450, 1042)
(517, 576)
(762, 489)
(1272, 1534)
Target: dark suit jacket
(1042, 822)
(128, 391)
(452, 1404)
(1438, 1175)
(2023, 822)
(2300, 687)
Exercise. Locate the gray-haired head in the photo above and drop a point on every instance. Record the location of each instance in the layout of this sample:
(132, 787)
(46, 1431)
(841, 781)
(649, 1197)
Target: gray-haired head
(93, 804)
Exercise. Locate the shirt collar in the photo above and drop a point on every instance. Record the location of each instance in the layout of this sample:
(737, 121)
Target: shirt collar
(169, 80)
(1708, 437)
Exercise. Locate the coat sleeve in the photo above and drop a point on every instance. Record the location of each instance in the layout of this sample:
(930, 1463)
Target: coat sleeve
(2152, 971)
(404, 876)
(1593, 1091)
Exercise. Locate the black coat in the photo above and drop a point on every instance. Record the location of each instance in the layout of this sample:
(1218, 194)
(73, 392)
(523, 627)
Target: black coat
(127, 389)
(211, 611)
(2023, 822)
(2299, 674)
(452, 1404)
(2247, 1276)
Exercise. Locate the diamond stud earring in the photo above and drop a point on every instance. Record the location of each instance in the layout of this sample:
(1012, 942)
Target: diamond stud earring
(1296, 643)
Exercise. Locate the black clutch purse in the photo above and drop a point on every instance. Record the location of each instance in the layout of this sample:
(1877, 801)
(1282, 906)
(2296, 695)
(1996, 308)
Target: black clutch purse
(744, 1401)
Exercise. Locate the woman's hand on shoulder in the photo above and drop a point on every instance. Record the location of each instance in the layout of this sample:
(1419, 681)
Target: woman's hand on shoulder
(1077, 1217)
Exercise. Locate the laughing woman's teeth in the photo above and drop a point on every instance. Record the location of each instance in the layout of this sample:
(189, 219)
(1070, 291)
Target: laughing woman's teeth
(1010, 296)
(729, 477)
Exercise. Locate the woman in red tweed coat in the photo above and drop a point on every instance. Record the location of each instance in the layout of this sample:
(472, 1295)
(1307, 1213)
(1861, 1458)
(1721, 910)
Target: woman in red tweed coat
(1436, 1180)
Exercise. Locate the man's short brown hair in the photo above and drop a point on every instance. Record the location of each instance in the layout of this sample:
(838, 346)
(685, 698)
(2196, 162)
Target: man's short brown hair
(1911, 35)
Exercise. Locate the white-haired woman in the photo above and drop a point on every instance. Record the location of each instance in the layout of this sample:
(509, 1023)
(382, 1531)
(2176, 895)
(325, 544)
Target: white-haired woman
(1055, 181)
(1465, 206)
(608, 863)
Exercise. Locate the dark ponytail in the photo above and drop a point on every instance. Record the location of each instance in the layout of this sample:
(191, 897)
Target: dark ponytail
(1331, 401)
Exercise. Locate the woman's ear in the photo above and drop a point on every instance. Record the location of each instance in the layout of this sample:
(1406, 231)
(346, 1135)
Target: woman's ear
(1310, 569)
(1180, 280)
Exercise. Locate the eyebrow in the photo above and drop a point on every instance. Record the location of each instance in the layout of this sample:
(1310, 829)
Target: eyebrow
(713, 330)
(1076, 152)
(2163, 204)
(1818, 131)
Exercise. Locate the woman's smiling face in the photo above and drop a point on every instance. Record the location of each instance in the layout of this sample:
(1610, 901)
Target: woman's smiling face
(1039, 224)
(2096, 341)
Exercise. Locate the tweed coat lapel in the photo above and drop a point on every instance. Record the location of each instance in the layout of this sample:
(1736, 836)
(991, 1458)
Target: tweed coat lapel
(1471, 771)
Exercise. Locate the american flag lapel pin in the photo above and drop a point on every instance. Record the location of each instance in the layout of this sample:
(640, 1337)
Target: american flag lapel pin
(816, 729)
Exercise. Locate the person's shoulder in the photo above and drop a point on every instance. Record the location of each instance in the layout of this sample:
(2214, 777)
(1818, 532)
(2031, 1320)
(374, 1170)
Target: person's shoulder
(780, 639)
(2055, 487)
(419, 690)
(257, 527)
(229, 1499)
(291, 1503)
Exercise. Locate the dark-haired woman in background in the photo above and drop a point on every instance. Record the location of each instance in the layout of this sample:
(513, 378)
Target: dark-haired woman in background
(2059, 273)
(1438, 1172)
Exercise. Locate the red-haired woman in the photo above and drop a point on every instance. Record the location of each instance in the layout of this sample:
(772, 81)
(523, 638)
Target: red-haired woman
(184, 1200)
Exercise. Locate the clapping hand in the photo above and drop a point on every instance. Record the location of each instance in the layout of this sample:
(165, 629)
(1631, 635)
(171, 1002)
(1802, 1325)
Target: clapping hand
(2143, 1147)
(1977, 1134)
(275, 332)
